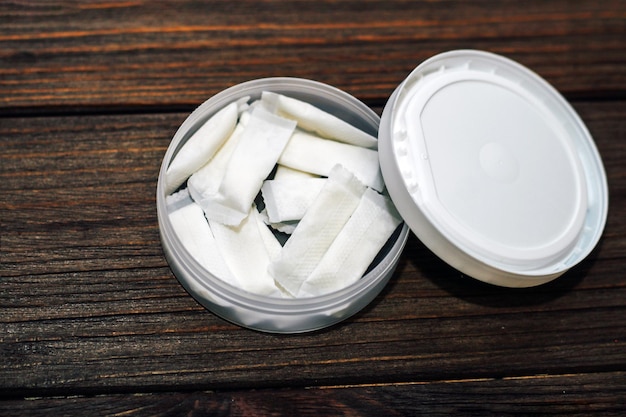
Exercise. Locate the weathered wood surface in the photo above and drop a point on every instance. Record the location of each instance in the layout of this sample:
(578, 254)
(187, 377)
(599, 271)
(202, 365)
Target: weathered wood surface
(92, 319)
(571, 395)
(70, 56)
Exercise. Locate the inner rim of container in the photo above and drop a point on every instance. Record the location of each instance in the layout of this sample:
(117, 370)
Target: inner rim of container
(325, 97)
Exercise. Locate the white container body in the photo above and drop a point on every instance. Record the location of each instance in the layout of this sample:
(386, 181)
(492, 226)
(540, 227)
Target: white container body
(261, 312)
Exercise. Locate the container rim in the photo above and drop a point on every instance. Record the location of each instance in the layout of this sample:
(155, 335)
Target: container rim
(178, 256)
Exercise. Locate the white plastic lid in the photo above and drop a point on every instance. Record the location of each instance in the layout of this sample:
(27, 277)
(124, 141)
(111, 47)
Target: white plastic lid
(492, 169)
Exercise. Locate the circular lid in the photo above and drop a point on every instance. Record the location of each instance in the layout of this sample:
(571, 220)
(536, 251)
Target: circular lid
(492, 169)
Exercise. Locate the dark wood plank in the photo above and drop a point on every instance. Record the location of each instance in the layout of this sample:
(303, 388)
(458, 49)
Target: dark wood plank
(558, 395)
(89, 306)
(66, 56)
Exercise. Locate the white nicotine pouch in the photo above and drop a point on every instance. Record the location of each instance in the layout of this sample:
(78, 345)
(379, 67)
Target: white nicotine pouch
(288, 199)
(310, 153)
(286, 227)
(205, 182)
(316, 120)
(318, 228)
(283, 173)
(201, 147)
(193, 231)
(355, 247)
(248, 249)
(261, 144)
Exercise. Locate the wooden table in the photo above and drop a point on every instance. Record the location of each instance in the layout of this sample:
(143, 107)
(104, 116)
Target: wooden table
(92, 320)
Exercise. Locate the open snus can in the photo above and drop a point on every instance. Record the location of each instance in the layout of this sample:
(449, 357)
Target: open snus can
(485, 162)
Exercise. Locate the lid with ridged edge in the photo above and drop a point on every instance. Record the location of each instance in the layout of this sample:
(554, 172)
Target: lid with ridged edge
(492, 169)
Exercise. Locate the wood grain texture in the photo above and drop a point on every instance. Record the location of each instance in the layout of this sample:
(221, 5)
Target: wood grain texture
(536, 395)
(92, 320)
(71, 56)
(89, 304)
